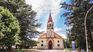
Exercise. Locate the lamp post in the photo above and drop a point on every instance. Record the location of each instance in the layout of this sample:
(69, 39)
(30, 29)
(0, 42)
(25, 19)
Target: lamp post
(86, 27)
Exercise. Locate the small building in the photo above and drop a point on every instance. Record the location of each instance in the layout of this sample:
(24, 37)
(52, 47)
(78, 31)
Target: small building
(50, 39)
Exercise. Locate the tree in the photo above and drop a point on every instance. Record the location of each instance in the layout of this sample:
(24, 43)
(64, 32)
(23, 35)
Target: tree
(25, 15)
(9, 28)
(31, 43)
(75, 18)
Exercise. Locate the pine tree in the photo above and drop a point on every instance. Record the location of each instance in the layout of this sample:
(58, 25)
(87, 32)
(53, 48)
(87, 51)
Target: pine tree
(75, 18)
(25, 15)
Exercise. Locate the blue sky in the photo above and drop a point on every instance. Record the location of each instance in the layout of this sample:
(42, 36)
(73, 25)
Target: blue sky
(43, 8)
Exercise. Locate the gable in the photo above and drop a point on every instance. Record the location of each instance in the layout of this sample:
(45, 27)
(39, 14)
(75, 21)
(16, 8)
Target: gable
(43, 36)
(57, 36)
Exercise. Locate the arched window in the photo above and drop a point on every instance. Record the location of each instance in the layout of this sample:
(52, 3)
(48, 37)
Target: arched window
(52, 26)
(49, 25)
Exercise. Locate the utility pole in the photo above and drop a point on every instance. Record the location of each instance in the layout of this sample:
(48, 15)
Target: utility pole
(85, 24)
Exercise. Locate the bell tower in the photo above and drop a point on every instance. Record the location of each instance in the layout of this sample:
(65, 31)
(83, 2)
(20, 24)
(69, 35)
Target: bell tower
(50, 27)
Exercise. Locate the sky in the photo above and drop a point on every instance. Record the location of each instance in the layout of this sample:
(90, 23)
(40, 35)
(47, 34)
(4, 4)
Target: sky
(44, 8)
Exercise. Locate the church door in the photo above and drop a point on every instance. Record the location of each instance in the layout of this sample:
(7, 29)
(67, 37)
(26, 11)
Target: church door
(50, 45)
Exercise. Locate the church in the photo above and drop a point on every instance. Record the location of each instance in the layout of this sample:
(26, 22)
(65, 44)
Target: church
(50, 39)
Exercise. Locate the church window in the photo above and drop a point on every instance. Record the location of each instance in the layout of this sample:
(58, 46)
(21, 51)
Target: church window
(41, 44)
(58, 45)
(58, 41)
(52, 26)
(49, 25)
(42, 41)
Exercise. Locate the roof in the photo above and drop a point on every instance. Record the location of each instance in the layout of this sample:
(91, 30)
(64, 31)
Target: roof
(56, 36)
(43, 36)
(50, 18)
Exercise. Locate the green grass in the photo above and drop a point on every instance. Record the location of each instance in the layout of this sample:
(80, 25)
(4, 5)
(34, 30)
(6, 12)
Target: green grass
(25, 50)
(68, 49)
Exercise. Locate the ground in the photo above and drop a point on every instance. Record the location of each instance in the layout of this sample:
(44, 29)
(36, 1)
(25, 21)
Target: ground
(54, 51)
(65, 50)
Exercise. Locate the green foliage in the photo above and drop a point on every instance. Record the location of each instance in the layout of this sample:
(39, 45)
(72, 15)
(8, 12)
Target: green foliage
(24, 14)
(26, 18)
(9, 27)
(33, 43)
(75, 19)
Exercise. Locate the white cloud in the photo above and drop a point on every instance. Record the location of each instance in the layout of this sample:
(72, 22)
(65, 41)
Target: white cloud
(35, 3)
(44, 7)
(36, 39)
(41, 29)
(63, 35)
(57, 29)
(60, 32)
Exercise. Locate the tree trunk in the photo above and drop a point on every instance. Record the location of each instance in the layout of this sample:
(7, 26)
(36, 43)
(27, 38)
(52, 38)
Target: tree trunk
(9, 47)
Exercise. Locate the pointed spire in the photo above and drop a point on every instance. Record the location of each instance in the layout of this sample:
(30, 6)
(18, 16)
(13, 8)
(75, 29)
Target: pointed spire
(50, 18)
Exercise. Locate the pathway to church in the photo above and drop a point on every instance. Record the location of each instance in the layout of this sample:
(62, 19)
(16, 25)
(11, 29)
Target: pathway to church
(52, 51)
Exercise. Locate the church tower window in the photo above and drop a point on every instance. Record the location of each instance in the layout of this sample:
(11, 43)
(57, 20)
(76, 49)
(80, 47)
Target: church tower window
(49, 25)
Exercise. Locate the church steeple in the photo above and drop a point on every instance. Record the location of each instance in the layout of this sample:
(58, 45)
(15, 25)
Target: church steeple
(50, 27)
(50, 22)
(50, 18)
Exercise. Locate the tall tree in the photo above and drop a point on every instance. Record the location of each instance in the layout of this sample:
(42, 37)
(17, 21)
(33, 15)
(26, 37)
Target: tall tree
(9, 28)
(75, 18)
(25, 15)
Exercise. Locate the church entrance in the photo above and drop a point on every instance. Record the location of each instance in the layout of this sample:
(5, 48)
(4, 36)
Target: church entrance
(50, 45)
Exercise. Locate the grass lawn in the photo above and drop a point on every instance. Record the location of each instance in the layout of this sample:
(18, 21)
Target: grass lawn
(25, 50)
(18, 50)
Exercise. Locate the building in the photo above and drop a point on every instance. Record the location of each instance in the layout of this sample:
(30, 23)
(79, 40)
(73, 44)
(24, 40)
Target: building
(50, 39)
